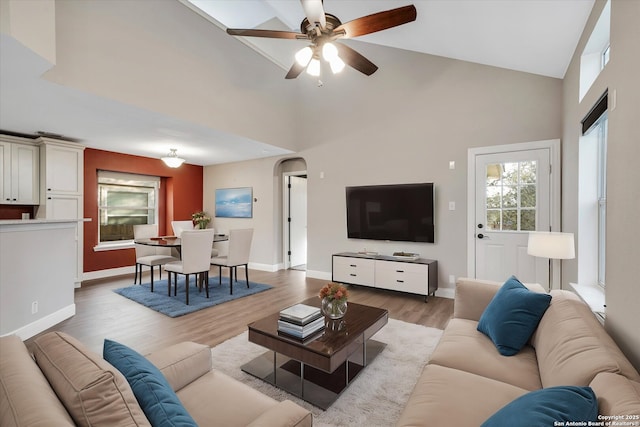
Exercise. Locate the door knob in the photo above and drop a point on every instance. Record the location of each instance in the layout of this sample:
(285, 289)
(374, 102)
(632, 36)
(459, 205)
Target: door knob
(480, 236)
(480, 225)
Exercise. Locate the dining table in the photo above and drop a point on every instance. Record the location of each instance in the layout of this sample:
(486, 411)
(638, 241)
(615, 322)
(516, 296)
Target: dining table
(173, 241)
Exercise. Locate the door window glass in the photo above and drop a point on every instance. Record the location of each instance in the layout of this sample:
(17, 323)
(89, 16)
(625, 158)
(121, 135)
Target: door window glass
(511, 196)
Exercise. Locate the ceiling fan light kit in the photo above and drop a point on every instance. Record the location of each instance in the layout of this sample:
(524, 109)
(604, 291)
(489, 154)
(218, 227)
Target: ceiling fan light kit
(172, 160)
(322, 29)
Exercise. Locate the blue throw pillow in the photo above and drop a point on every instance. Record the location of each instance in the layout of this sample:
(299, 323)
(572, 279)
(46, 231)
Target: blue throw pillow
(154, 394)
(546, 406)
(512, 316)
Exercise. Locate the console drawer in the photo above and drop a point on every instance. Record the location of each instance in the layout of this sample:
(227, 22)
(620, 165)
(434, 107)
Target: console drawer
(359, 271)
(402, 276)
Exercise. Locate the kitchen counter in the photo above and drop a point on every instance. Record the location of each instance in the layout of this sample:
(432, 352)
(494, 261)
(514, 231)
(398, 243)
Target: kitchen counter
(38, 269)
(39, 221)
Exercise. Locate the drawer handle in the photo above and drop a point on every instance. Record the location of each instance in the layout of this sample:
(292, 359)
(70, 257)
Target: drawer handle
(352, 265)
(400, 281)
(399, 271)
(354, 275)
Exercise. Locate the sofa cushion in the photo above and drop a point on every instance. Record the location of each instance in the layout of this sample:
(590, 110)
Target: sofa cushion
(229, 396)
(26, 399)
(617, 396)
(572, 346)
(548, 406)
(449, 397)
(93, 392)
(461, 339)
(512, 316)
(474, 295)
(156, 397)
(182, 363)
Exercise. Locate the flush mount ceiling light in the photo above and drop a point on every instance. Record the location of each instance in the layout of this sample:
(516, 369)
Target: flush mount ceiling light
(172, 160)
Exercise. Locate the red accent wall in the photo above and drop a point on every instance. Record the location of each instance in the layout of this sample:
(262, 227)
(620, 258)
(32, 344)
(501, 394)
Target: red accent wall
(181, 194)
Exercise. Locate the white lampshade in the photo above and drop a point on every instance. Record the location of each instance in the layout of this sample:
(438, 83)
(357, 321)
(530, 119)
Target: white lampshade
(551, 245)
(172, 160)
(303, 56)
(337, 65)
(329, 52)
(314, 67)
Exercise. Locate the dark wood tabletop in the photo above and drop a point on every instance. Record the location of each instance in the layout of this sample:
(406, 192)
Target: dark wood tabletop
(330, 348)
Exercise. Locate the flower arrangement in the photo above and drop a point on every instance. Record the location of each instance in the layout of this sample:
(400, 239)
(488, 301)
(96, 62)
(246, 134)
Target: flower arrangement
(200, 219)
(334, 291)
(334, 300)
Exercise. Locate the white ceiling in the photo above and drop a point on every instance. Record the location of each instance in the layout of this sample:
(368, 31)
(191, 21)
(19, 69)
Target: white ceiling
(535, 36)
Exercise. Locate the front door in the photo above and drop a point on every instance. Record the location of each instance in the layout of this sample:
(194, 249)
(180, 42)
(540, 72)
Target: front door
(512, 198)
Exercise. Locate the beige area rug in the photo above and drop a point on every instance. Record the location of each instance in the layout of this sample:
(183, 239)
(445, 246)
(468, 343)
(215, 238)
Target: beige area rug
(375, 399)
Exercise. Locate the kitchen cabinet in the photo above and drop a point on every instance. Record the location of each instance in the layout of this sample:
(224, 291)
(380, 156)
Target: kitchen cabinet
(62, 187)
(19, 178)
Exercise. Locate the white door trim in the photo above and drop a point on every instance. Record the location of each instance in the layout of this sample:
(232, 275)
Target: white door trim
(285, 209)
(555, 182)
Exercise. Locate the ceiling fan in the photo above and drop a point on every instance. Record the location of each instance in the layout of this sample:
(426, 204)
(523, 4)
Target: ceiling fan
(322, 29)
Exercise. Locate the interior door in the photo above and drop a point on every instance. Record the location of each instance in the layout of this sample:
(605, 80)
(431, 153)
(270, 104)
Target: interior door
(298, 221)
(512, 197)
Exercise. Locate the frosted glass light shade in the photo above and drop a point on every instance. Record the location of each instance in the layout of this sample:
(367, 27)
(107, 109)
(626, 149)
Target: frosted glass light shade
(314, 67)
(303, 56)
(172, 160)
(551, 245)
(329, 52)
(337, 65)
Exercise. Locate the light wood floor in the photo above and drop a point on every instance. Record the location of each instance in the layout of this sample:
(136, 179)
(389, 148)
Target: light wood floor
(101, 313)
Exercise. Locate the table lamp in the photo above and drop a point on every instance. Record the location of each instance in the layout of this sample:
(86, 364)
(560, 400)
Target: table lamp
(551, 245)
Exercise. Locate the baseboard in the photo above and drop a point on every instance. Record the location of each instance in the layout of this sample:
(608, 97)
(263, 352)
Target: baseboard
(110, 272)
(315, 274)
(446, 293)
(44, 323)
(264, 267)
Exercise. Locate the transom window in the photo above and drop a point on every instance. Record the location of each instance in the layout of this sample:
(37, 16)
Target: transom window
(511, 190)
(125, 200)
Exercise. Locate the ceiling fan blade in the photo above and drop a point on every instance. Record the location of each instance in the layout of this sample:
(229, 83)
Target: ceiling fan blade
(295, 70)
(355, 60)
(272, 34)
(378, 21)
(314, 11)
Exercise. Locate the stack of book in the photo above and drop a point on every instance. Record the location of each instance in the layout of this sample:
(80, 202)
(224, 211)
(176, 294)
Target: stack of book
(300, 321)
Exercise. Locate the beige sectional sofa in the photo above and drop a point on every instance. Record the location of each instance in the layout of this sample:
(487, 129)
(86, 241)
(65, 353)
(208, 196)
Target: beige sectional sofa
(64, 384)
(467, 380)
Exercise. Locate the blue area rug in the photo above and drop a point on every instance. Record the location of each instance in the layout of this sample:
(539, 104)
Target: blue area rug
(176, 306)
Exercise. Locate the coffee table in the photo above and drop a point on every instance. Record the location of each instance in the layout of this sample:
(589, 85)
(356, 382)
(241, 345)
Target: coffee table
(319, 369)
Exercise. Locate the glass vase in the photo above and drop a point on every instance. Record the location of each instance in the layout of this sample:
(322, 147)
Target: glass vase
(333, 308)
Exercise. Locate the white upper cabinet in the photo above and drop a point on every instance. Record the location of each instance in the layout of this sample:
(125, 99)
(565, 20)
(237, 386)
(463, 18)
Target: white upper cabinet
(62, 167)
(19, 179)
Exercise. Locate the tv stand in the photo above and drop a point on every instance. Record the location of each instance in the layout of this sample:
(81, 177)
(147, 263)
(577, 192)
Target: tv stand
(419, 276)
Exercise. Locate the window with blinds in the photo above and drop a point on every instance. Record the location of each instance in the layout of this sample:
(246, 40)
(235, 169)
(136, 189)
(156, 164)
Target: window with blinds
(125, 200)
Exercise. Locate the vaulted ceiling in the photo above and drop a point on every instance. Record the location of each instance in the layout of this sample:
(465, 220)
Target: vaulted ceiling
(141, 77)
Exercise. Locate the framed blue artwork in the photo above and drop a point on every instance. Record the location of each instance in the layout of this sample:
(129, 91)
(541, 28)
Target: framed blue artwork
(234, 202)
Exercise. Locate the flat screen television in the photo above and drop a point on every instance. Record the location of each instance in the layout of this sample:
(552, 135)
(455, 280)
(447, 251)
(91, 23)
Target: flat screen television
(402, 212)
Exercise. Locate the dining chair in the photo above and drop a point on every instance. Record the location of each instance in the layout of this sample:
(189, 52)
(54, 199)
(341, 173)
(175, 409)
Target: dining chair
(149, 255)
(238, 255)
(196, 246)
(180, 226)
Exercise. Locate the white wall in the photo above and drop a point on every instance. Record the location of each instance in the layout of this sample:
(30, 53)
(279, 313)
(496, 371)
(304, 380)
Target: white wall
(36, 265)
(620, 77)
(404, 124)
(170, 60)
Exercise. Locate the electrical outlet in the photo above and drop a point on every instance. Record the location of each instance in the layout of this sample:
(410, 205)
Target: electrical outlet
(34, 307)
(452, 279)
